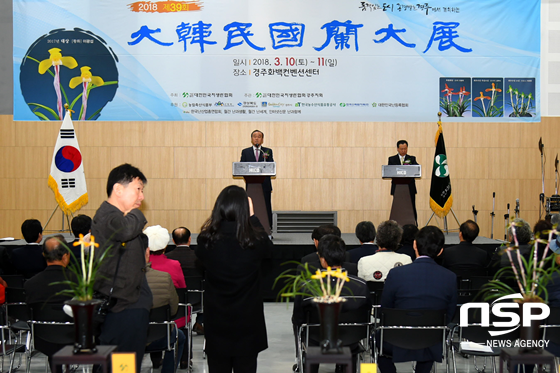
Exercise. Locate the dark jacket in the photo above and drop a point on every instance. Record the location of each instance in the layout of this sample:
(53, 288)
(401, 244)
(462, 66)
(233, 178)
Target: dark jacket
(233, 306)
(465, 260)
(248, 155)
(187, 258)
(111, 228)
(395, 160)
(423, 284)
(28, 260)
(351, 268)
(365, 250)
(41, 288)
(356, 288)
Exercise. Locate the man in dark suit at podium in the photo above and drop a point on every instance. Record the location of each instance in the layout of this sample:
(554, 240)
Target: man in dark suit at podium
(403, 158)
(258, 153)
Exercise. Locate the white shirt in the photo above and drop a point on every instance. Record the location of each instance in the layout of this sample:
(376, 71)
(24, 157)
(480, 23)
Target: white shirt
(376, 267)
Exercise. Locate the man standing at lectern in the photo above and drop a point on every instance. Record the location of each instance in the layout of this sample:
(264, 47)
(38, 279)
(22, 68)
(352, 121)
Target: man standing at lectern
(258, 153)
(403, 158)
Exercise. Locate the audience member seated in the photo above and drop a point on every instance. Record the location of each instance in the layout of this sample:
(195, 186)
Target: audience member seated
(408, 236)
(81, 224)
(555, 243)
(164, 293)
(158, 239)
(187, 258)
(320, 263)
(28, 260)
(182, 252)
(316, 237)
(376, 267)
(365, 232)
(465, 259)
(523, 235)
(3, 286)
(46, 286)
(421, 285)
(333, 252)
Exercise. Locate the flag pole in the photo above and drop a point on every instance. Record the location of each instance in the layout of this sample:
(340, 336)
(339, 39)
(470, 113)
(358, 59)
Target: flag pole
(445, 225)
(65, 214)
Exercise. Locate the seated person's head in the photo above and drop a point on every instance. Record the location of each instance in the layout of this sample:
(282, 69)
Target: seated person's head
(469, 231)
(332, 251)
(181, 236)
(81, 224)
(324, 230)
(429, 242)
(158, 238)
(522, 232)
(365, 231)
(541, 229)
(389, 235)
(55, 251)
(32, 231)
(409, 234)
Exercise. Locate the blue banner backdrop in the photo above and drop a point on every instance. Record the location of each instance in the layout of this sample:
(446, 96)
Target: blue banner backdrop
(277, 60)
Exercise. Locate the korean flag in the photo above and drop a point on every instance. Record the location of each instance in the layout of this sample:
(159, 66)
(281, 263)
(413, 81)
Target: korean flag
(67, 178)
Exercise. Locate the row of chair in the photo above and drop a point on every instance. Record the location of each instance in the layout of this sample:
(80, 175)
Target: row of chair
(416, 329)
(23, 323)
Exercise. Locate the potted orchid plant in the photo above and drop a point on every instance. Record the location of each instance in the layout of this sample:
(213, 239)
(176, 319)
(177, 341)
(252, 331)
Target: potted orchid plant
(530, 274)
(83, 304)
(325, 287)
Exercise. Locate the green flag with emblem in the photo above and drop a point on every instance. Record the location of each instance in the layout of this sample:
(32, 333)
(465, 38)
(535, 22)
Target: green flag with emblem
(440, 190)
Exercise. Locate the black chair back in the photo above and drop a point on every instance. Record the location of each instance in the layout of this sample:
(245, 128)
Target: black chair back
(158, 328)
(552, 326)
(413, 338)
(15, 307)
(353, 322)
(195, 291)
(14, 281)
(475, 332)
(51, 324)
(376, 291)
(181, 311)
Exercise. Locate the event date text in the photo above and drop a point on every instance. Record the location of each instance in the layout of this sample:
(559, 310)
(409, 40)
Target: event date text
(286, 61)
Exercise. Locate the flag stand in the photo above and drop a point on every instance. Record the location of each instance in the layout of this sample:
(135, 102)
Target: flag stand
(445, 227)
(63, 216)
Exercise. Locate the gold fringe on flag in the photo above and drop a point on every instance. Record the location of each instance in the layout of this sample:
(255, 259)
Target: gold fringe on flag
(67, 209)
(441, 212)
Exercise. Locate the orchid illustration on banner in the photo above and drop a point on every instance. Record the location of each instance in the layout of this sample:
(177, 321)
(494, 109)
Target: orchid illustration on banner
(56, 60)
(492, 108)
(88, 82)
(520, 107)
(455, 108)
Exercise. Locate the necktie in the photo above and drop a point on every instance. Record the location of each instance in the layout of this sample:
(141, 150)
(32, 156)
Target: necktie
(257, 154)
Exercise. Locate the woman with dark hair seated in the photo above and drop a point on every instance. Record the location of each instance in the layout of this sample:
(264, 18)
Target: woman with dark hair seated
(232, 247)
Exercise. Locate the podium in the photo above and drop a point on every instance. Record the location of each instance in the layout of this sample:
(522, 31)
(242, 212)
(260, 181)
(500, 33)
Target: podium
(401, 210)
(254, 174)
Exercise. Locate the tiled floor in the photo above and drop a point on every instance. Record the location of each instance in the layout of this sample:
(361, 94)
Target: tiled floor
(278, 358)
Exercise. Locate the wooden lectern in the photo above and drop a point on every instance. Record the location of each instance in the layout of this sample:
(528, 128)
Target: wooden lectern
(254, 174)
(401, 211)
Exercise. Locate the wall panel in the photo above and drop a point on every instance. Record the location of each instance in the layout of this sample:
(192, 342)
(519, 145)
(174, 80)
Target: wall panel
(321, 166)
